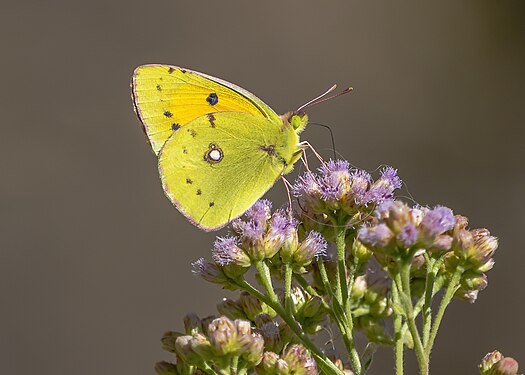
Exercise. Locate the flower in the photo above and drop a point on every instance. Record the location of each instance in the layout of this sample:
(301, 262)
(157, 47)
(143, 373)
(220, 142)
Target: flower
(225, 251)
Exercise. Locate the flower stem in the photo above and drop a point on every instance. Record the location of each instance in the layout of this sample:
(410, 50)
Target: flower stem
(427, 307)
(398, 324)
(406, 299)
(341, 291)
(449, 294)
(324, 363)
(287, 288)
(342, 297)
(266, 280)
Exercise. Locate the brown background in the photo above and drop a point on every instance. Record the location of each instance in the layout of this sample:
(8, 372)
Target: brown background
(95, 262)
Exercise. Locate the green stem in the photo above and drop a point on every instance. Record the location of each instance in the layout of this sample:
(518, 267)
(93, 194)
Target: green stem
(324, 363)
(341, 291)
(266, 280)
(324, 277)
(449, 294)
(410, 318)
(234, 364)
(208, 369)
(427, 307)
(342, 298)
(398, 324)
(287, 287)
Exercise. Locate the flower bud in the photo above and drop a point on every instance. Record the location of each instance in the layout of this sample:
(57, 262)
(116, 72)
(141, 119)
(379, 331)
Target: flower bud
(359, 287)
(192, 324)
(490, 360)
(168, 341)
(360, 251)
(183, 347)
(495, 364)
(252, 306)
(298, 360)
(231, 309)
(312, 307)
(290, 245)
(223, 336)
(268, 364)
(252, 347)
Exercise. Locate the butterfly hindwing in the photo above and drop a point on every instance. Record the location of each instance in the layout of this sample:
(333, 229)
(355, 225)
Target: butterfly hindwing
(216, 166)
(168, 97)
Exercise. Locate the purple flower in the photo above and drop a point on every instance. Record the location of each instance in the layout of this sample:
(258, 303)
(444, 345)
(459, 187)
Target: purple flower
(225, 251)
(313, 245)
(335, 178)
(282, 226)
(408, 235)
(259, 212)
(437, 221)
(359, 183)
(390, 177)
(382, 189)
(375, 236)
(208, 271)
(306, 185)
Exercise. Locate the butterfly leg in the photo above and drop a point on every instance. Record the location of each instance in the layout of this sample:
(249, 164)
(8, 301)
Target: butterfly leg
(307, 144)
(287, 186)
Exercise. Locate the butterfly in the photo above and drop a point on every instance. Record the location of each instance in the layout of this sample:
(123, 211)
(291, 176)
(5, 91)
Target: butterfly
(219, 147)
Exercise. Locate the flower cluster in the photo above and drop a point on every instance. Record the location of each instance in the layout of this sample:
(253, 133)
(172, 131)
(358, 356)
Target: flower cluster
(257, 236)
(338, 188)
(355, 258)
(217, 344)
(222, 345)
(472, 251)
(399, 229)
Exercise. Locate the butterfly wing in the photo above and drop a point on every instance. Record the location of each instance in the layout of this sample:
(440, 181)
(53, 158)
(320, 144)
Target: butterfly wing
(167, 97)
(217, 166)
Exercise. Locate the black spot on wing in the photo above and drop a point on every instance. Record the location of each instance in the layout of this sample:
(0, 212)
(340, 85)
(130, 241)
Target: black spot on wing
(192, 132)
(199, 192)
(168, 114)
(212, 204)
(175, 126)
(212, 99)
(171, 70)
(211, 119)
(159, 88)
(189, 181)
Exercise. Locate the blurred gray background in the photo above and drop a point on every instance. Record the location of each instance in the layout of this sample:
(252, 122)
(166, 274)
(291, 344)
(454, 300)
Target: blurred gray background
(94, 260)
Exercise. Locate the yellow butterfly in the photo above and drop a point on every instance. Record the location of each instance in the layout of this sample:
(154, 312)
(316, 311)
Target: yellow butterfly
(220, 148)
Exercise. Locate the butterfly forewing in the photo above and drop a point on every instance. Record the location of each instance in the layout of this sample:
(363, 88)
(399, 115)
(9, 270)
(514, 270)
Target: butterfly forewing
(168, 97)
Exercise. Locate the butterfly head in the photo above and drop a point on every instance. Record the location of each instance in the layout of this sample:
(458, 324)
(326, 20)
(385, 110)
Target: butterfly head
(297, 120)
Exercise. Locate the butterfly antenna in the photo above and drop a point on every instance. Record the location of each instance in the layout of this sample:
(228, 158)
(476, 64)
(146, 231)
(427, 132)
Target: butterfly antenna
(331, 135)
(322, 98)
